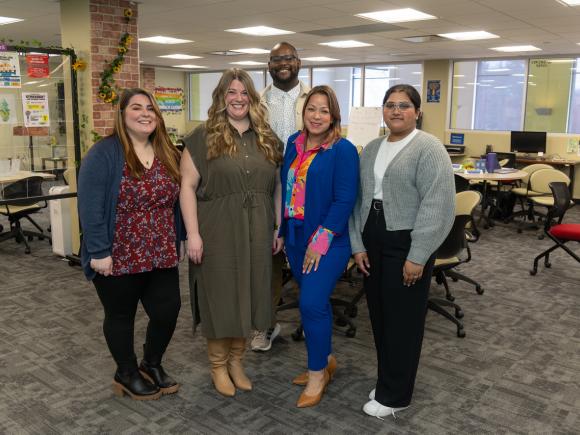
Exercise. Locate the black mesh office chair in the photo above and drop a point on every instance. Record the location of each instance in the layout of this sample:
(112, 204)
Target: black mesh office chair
(22, 209)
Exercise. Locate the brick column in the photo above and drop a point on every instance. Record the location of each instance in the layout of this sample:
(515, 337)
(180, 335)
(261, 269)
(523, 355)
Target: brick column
(148, 78)
(108, 24)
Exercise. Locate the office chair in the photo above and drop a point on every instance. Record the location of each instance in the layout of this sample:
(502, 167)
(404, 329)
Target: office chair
(449, 257)
(540, 183)
(523, 192)
(560, 233)
(21, 189)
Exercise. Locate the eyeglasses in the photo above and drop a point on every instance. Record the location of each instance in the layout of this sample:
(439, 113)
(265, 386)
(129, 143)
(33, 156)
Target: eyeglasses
(287, 58)
(401, 106)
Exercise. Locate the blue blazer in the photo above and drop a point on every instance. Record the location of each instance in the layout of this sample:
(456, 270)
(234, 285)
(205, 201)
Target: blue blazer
(331, 190)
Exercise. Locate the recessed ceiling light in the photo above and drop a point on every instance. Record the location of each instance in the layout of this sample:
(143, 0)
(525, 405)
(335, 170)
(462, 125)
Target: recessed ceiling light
(9, 20)
(252, 51)
(319, 59)
(260, 31)
(561, 60)
(397, 15)
(458, 75)
(498, 69)
(189, 66)
(346, 44)
(248, 63)
(468, 36)
(180, 56)
(164, 40)
(516, 48)
(571, 2)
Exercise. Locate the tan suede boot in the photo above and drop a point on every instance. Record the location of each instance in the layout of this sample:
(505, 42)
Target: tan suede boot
(218, 351)
(235, 367)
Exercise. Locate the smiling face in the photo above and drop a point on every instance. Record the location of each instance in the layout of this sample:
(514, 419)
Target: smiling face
(237, 101)
(317, 117)
(140, 118)
(284, 66)
(400, 122)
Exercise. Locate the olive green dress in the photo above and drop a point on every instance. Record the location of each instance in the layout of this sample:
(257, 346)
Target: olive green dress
(235, 209)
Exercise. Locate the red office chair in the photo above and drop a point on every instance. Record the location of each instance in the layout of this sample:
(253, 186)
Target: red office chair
(559, 232)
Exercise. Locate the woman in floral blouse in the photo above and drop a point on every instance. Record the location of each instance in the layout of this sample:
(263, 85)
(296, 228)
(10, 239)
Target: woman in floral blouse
(127, 195)
(320, 175)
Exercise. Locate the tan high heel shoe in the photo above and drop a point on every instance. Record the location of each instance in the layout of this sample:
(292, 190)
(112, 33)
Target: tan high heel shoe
(305, 400)
(302, 378)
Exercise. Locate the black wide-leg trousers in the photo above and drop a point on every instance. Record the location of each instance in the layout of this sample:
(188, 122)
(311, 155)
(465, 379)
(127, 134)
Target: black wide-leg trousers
(397, 312)
(158, 291)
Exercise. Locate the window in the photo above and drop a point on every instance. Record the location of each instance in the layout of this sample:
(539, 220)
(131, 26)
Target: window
(379, 78)
(346, 83)
(574, 124)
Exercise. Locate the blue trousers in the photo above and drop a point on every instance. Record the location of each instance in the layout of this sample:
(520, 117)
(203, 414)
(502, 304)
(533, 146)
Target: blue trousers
(315, 290)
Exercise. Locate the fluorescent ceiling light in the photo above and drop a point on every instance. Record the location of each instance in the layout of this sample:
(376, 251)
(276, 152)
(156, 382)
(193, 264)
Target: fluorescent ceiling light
(561, 60)
(459, 75)
(252, 51)
(260, 31)
(417, 72)
(9, 20)
(516, 48)
(346, 44)
(498, 69)
(500, 87)
(468, 36)
(396, 16)
(571, 2)
(248, 62)
(180, 56)
(189, 66)
(164, 40)
(340, 80)
(319, 59)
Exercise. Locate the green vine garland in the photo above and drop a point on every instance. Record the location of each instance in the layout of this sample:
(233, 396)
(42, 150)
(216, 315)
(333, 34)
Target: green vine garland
(108, 91)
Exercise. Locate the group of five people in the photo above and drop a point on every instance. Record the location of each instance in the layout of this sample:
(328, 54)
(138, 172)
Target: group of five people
(266, 177)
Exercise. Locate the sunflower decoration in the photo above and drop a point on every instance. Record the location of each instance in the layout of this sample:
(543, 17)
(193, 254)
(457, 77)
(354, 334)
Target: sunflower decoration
(79, 65)
(108, 92)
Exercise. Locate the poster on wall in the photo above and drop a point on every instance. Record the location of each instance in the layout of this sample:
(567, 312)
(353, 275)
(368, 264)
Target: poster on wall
(10, 70)
(169, 99)
(364, 124)
(433, 91)
(37, 65)
(35, 109)
(7, 109)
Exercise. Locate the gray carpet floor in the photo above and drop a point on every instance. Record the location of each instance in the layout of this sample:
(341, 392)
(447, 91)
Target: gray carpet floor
(516, 371)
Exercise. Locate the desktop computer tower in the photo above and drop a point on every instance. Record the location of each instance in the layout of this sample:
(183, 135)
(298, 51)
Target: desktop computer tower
(60, 222)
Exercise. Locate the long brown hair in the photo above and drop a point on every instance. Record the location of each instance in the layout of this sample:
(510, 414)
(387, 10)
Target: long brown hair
(221, 134)
(163, 148)
(334, 131)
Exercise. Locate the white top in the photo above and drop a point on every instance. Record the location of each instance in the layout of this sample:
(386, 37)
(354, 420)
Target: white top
(281, 111)
(386, 154)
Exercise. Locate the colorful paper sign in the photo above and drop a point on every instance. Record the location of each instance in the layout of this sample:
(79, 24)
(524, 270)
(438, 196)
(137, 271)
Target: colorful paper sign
(35, 109)
(10, 70)
(433, 91)
(37, 65)
(169, 99)
(7, 109)
(457, 138)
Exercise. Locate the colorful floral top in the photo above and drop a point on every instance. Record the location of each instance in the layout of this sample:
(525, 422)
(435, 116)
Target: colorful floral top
(144, 229)
(296, 193)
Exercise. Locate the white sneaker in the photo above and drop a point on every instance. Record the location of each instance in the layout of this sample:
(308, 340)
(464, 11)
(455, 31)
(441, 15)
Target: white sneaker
(262, 340)
(375, 409)
(372, 394)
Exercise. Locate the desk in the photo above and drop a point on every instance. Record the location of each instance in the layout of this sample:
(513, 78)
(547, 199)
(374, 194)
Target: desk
(491, 176)
(562, 162)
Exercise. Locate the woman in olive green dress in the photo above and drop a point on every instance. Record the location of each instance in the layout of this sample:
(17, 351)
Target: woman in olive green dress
(230, 200)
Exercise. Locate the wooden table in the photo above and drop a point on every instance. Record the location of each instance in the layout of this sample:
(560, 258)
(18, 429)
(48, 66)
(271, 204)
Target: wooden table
(486, 177)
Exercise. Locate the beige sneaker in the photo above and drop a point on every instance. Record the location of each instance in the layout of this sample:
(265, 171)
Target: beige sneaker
(262, 340)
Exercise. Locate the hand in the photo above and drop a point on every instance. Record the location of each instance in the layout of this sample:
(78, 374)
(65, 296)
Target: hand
(181, 250)
(195, 248)
(412, 272)
(362, 262)
(311, 260)
(277, 244)
(104, 266)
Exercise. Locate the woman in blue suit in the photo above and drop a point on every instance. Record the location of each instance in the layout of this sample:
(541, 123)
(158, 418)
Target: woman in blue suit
(320, 180)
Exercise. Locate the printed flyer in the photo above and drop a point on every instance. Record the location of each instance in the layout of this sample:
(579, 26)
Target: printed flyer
(35, 109)
(10, 70)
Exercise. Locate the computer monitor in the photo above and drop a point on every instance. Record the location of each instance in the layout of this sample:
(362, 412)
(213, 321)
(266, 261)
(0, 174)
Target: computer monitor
(528, 142)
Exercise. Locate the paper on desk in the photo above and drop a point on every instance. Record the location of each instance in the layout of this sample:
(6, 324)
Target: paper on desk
(364, 124)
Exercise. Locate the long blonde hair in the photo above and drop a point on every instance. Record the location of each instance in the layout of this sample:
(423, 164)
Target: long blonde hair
(163, 148)
(221, 134)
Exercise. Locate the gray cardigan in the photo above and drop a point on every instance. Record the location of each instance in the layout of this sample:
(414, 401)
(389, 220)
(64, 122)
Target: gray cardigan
(418, 195)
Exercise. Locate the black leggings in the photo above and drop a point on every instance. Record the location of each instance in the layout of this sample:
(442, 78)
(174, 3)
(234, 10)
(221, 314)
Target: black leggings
(158, 291)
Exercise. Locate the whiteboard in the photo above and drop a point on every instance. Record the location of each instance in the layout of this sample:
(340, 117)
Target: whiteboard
(364, 124)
